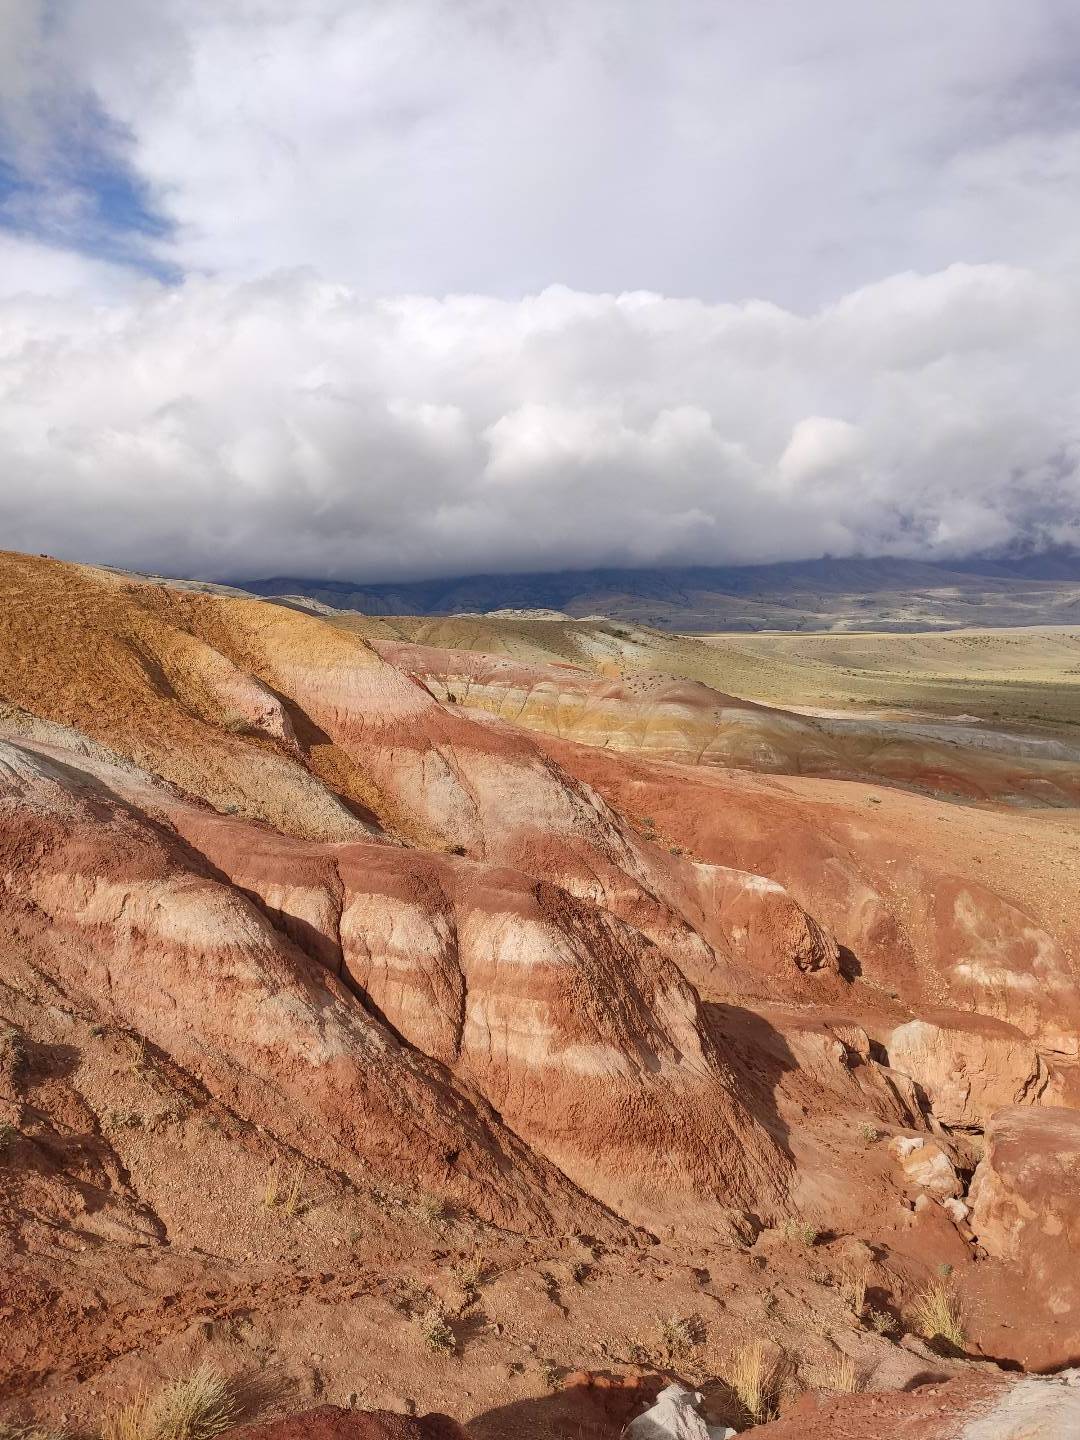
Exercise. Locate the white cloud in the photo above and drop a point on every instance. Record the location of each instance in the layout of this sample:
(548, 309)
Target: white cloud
(27, 267)
(292, 426)
(898, 186)
(696, 147)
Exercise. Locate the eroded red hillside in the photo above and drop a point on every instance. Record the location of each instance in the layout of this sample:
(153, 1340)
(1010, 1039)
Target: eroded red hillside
(417, 1055)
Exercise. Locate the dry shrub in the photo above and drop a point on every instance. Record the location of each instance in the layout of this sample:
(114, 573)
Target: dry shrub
(856, 1291)
(470, 1276)
(757, 1376)
(435, 1328)
(880, 1321)
(432, 1210)
(680, 1334)
(273, 1186)
(802, 1231)
(839, 1373)
(198, 1407)
(936, 1313)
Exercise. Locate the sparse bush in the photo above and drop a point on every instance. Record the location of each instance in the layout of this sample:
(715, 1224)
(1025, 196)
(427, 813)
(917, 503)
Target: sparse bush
(680, 1334)
(801, 1230)
(436, 1331)
(936, 1313)
(580, 1272)
(121, 1119)
(756, 1380)
(869, 1133)
(196, 1408)
(549, 1373)
(12, 1047)
(839, 1373)
(8, 1136)
(431, 1210)
(880, 1321)
(470, 1276)
(12, 1040)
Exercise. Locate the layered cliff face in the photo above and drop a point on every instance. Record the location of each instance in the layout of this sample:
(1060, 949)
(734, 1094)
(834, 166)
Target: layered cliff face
(284, 918)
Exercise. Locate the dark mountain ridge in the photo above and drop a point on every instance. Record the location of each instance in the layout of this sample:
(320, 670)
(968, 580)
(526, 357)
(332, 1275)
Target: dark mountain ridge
(860, 593)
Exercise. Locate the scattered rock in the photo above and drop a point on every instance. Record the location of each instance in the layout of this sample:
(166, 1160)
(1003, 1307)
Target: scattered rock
(925, 1163)
(675, 1415)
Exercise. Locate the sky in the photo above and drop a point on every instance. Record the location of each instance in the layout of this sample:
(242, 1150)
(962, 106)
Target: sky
(388, 289)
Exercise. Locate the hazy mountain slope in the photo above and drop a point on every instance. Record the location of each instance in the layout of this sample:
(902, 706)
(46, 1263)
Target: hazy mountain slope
(815, 595)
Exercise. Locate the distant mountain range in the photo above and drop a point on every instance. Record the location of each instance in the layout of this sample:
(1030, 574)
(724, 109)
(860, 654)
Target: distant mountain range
(827, 594)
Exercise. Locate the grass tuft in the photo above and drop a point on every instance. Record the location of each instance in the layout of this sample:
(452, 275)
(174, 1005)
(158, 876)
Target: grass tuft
(756, 1379)
(198, 1407)
(839, 1373)
(856, 1291)
(936, 1313)
(294, 1194)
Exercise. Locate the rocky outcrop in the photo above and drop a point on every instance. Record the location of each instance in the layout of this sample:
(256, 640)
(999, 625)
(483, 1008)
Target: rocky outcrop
(1025, 1199)
(968, 1066)
(981, 1406)
(762, 939)
(938, 906)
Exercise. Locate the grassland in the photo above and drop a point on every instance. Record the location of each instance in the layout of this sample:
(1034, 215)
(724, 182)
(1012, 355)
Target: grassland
(1019, 676)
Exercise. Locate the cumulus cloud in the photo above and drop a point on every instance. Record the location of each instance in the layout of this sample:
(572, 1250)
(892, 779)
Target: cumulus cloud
(715, 148)
(404, 287)
(292, 425)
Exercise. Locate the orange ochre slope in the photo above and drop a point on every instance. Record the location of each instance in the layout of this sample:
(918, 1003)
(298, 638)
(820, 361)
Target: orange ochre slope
(330, 1005)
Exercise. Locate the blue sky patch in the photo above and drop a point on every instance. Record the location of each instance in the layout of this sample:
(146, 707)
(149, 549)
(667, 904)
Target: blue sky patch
(78, 190)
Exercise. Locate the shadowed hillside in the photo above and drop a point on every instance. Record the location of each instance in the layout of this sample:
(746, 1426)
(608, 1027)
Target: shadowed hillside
(826, 594)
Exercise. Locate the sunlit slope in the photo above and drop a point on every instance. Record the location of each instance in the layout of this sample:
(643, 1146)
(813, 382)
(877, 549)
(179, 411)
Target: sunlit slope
(1015, 676)
(1029, 674)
